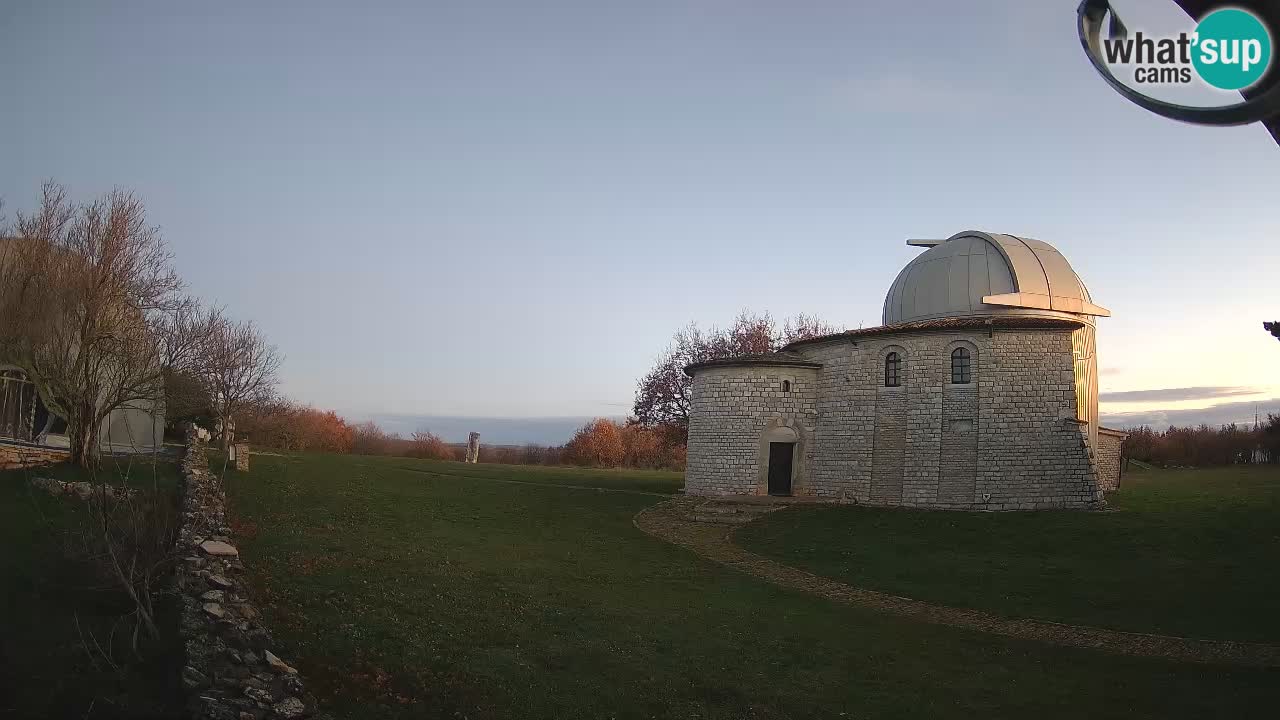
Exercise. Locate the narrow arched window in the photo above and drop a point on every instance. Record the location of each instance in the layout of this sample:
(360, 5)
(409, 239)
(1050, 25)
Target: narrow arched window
(961, 366)
(893, 370)
(786, 386)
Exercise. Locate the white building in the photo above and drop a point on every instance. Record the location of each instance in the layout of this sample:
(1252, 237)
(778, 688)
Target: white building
(24, 419)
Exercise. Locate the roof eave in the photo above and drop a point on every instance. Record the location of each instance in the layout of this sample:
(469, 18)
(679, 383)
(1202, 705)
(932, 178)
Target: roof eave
(747, 362)
(937, 325)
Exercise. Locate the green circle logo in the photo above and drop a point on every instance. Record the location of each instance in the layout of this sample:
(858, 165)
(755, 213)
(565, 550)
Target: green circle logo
(1232, 49)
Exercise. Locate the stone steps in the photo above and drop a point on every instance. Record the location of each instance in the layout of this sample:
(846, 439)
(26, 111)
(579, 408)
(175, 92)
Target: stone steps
(722, 519)
(717, 508)
(729, 513)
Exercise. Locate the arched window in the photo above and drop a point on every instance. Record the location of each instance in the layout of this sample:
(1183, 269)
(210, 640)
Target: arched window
(961, 366)
(786, 386)
(892, 370)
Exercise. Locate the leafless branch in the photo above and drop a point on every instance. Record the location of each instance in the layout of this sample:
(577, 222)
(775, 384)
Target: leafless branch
(83, 289)
(240, 367)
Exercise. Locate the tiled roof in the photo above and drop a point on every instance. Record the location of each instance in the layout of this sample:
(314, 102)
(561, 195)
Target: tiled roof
(785, 359)
(939, 324)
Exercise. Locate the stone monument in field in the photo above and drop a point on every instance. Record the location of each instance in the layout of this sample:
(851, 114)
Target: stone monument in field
(473, 447)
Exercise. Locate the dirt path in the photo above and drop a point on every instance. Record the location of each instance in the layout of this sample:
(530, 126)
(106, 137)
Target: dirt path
(667, 521)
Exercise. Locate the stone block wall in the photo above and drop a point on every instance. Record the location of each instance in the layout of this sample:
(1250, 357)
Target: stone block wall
(958, 468)
(921, 436)
(1007, 441)
(889, 449)
(1109, 454)
(732, 409)
(17, 455)
(1032, 452)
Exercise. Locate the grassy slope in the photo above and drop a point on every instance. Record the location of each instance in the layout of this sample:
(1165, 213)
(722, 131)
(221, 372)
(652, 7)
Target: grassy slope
(1188, 552)
(44, 669)
(405, 589)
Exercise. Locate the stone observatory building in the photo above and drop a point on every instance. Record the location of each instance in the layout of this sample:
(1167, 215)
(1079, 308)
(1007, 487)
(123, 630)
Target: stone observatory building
(979, 392)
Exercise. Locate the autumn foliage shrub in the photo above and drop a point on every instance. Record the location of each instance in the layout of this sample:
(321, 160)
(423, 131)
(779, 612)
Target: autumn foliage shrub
(605, 443)
(288, 426)
(597, 444)
(608, 443)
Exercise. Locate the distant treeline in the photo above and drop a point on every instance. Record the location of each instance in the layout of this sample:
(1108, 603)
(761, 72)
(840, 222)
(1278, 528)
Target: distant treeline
(284, 425)
(656, 435)
(1205, 445)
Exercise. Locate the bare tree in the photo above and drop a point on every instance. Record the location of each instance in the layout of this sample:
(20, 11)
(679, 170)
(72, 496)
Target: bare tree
(370, 439)
(805, 327)
(83, 289)
(240, 368)
(428, 445)
(128, 535)
(183, 336)
(663, 395)
(182, 333)
(26, 269)
(90, 281)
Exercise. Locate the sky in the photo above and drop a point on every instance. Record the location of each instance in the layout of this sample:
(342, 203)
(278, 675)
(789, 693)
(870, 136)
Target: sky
(506, 209)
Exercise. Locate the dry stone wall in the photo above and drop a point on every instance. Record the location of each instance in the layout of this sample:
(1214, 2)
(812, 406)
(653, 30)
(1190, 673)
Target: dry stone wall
(1007, 441)
(82, 490)
(17, 455)
(231, 672)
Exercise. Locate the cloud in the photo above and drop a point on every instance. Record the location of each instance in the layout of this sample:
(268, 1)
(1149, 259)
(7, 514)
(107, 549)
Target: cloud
(1241, 413)
(1177, 394)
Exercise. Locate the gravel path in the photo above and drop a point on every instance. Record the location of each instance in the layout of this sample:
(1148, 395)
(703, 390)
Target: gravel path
(668, 521)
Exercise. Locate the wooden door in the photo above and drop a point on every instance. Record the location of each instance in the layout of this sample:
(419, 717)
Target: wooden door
(780, 457)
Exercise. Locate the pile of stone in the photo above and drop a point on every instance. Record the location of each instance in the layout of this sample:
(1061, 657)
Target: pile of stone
(231, 673)
(82, 490)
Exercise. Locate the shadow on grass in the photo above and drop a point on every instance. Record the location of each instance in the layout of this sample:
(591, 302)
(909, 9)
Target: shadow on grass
(65, 645)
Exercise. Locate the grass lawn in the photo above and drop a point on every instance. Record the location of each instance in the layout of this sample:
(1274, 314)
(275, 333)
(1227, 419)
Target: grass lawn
(409, 589)
(654, 481)
(45, 670)
(1186, 552)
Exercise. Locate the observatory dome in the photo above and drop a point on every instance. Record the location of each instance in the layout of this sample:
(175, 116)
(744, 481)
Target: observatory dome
(978, 274)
